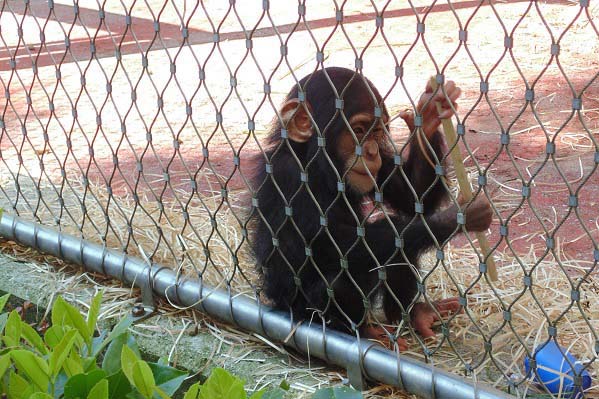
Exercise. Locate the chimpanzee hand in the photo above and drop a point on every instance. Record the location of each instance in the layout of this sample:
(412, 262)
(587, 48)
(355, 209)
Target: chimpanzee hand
(424, 316)
(478, 214)
(431, 119)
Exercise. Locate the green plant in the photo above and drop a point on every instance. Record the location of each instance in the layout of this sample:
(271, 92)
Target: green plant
(65, 362)
(222, 385)
(71, 362)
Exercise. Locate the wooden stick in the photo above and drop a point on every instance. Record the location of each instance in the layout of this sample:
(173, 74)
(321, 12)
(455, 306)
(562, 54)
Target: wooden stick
(465, 189)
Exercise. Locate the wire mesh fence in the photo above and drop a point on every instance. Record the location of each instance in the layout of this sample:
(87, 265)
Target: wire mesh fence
(158, 128)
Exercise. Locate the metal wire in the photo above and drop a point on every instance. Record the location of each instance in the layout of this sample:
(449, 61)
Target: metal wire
(136, 124)
(339, 349)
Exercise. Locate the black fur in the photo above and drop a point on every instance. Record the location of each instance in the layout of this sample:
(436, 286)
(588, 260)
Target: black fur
(292, 279)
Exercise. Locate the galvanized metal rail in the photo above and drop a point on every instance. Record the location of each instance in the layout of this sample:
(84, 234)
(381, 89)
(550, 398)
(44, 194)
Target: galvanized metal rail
(374, 361)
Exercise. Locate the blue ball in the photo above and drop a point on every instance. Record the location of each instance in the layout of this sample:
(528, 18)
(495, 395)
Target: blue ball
(555, 372)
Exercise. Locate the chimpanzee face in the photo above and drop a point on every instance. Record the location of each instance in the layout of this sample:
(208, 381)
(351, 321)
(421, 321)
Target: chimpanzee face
(360, 148)
(356, 138)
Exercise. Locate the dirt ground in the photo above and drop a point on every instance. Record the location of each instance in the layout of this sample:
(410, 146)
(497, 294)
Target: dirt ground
(185, 83)
(556, 80)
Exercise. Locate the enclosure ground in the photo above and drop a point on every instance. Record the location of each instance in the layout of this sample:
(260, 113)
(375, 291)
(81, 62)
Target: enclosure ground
(136, 136)
(503, 108)
(189, 340)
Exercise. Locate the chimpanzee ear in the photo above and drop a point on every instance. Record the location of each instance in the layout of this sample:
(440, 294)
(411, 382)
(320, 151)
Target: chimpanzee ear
(296, 120)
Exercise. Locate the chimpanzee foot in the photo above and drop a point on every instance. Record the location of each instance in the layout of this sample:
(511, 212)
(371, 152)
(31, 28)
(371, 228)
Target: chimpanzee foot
(378, 333)
(424, 316)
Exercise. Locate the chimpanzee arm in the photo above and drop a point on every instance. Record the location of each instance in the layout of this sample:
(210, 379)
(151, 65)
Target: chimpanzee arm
(380, 241)
(420, 175)
(381, 238)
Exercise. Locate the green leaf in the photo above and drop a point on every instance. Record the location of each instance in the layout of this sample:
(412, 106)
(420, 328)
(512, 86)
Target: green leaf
(3, 300)
(112, 358)
(284, 385)
(64, 314)
(337, 393)
(19, 387)
(40, 395)
(80, 385)
(94, 311)
(119, 386)
(34, 367)
(193, 392)
(167, 378)
(143, 379)
(161, 393)
(128, 359)
(34, 339)
(99, 391)
(121, 327)
(222, 385)
(89, 364)
(54, 335)
(98, 342)
(4, 364)
(12, 330)
(73, 365)
(58, 312)
(61, 352)
(162, 360)
(258, 394)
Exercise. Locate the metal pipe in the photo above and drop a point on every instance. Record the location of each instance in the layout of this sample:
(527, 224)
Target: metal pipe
(340, 349)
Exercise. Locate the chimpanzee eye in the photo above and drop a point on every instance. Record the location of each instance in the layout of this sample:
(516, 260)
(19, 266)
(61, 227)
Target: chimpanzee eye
(358, 131)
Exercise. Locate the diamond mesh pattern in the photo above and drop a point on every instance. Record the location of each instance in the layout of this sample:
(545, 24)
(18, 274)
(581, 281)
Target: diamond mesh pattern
(136, 124)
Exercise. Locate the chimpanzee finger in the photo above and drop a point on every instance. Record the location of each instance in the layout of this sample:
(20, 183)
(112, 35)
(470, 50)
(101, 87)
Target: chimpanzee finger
(447, 113)
(450, 86)
(402, 344)
(440, 92)
(452, 92)
(428, 88)
(425, 100)
(447, 105)
(448, 306)
(424, 327)
(448, 109)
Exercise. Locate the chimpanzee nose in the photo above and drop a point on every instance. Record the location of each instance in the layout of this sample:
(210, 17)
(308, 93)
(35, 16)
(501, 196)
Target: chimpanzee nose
(371, 149)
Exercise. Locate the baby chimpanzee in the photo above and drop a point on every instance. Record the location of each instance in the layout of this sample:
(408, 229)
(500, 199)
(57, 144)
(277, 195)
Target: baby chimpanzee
(341, 218)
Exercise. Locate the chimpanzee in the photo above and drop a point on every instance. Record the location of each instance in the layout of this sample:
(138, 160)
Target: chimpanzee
(341, 217)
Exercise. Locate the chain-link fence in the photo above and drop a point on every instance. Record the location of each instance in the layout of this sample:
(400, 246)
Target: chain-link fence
(141, 126)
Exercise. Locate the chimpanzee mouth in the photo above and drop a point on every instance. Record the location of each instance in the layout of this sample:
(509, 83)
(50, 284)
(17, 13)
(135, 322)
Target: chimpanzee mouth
(364, 173)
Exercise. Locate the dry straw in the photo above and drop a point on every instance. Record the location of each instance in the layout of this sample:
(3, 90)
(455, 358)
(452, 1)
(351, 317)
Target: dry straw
(552, 281)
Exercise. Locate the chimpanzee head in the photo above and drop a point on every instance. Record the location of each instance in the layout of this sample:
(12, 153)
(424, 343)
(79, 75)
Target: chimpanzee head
(346, 109)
